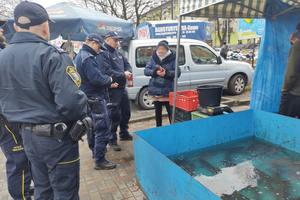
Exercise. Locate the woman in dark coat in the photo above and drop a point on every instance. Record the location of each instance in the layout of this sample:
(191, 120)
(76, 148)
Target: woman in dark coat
(161, 67)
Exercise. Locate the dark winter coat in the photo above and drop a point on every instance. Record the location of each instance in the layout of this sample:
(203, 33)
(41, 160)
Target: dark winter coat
(161, 86)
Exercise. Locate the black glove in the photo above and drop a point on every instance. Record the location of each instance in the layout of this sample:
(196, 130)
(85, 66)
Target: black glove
(155, 73)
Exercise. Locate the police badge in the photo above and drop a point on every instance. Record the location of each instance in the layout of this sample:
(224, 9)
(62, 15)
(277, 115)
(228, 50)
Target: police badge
(72, 72)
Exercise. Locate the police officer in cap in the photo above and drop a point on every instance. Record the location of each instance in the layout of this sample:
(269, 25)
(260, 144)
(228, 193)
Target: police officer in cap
(118, 101)
(2, 38)
(39, 87)
(94, 85)
(17, 165)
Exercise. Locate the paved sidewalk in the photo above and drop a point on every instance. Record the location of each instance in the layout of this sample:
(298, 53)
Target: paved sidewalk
(117, 184)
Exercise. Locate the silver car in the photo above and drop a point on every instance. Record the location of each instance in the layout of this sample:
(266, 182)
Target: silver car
(199, 64)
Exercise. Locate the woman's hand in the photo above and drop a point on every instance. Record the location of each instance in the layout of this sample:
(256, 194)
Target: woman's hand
(293, 38)
(161, 73)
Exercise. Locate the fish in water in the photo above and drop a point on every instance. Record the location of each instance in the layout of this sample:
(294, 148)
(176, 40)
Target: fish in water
(233, 149)
(207, 165)
(254, 147)
(266, 153)
(207, 155)
(283, 190)
(252, 190)
(227, 160)
(276, 171)
(285, 160)
(265, 177)
(234, 196)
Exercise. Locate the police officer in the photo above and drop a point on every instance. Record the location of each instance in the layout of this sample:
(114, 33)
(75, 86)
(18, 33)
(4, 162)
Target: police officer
(94, 85)
(118, 101)
(39, 87)
(2, 38)
(17, 165)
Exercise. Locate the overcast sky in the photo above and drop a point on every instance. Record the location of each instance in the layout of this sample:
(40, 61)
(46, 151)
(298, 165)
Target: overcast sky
(49, 3)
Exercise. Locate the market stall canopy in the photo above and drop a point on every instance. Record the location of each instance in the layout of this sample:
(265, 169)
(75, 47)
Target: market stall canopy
(79, 22)
(282, 17)
(234, 8)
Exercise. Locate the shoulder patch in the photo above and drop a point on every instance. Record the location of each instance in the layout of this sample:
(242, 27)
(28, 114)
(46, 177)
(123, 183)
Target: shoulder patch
(74, 75)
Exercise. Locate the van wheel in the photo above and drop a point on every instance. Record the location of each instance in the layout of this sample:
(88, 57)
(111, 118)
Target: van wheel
(237, 84)
(145, 100)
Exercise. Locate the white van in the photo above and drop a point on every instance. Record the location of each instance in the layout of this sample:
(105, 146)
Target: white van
(199, 65)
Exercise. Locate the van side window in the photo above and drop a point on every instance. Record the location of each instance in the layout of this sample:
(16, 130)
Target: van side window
(202, 55)
(143, 55)
(181, 54)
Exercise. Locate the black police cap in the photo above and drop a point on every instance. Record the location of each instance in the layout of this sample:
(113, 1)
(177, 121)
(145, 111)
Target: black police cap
(36, 14)
(113, 34)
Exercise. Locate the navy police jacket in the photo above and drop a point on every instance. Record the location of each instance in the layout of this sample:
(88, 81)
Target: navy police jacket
(38, 83)
(118, 65)
(93, 83)
(104, 62)
(161, 86)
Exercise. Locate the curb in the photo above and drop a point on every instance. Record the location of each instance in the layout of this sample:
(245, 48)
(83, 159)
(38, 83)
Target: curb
(149, 117)
(237, 103)
(226, 101)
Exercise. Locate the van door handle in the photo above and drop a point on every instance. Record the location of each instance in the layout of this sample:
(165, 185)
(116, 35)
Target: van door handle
(187, 68)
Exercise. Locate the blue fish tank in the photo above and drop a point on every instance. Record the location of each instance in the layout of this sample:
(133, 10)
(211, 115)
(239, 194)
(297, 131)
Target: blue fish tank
(246, 155)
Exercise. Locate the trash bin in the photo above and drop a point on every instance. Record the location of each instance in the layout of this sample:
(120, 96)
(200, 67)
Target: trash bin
(209, 95)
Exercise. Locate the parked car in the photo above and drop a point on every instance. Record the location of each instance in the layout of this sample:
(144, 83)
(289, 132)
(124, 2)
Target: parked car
(199, 64)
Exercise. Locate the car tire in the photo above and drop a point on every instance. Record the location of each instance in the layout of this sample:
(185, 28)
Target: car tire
(237, 84)
(145, 100)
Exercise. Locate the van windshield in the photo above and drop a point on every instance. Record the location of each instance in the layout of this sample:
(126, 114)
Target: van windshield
(143, 55)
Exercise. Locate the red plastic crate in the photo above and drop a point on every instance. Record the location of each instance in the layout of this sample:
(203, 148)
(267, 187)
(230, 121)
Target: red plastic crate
(186, 100)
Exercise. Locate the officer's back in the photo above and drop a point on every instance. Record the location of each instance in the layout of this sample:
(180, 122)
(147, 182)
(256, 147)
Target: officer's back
(39, 86)
(32, 76)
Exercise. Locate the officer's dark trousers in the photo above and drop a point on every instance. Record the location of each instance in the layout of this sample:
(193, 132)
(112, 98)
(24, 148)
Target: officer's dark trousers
(289, 105)
(54, 165)
(99, 136)
(119, 113)
(17, 166)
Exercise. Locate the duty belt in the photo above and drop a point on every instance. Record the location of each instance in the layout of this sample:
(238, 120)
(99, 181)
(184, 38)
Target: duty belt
(76, 130)
(56, 131)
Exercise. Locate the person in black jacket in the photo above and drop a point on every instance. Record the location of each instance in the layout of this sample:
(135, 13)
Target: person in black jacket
(118, 103)
(11, 143)
(161, 67)
(94, 85)
(39, 88)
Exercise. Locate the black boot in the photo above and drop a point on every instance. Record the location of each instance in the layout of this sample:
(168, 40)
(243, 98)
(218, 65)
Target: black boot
(116, 147)
(104, 165)
(126, 137)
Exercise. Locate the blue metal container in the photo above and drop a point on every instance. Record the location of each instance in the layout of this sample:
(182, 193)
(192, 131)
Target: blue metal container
(162, 179)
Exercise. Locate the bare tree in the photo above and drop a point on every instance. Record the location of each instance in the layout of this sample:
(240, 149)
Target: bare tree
(220, 27)
(7, 8)
(132, 10)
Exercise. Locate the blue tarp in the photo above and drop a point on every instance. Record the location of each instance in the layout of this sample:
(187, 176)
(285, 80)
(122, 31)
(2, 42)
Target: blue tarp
(168, 29)
(272, 60)
(79, 22)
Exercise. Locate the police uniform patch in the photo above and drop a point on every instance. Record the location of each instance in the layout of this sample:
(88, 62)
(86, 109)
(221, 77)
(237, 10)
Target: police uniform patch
(72, 72)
